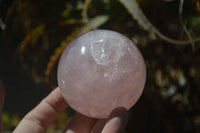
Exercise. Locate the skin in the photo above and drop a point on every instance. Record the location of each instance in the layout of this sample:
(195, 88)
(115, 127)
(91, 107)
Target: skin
(43, 115)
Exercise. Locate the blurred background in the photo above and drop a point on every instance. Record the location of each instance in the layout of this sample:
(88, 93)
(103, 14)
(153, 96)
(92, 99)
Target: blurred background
(33, 35)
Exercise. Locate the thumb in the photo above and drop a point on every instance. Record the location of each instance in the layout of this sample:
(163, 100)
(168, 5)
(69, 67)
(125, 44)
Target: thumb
(117, 121)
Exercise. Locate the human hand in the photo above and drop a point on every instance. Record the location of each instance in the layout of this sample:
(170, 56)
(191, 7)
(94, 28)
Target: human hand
(43, 115)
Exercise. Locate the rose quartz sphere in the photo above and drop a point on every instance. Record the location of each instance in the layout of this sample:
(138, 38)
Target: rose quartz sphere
(99, 71)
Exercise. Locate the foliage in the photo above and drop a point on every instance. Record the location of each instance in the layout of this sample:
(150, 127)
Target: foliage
(10, 121)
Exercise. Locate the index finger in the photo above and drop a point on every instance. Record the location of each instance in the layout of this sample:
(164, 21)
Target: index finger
(43, 115)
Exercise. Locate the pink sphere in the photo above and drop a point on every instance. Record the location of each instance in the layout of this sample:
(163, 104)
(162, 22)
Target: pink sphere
(100, 71)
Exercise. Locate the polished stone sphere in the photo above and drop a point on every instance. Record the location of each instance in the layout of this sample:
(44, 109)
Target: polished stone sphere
(99, 71)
